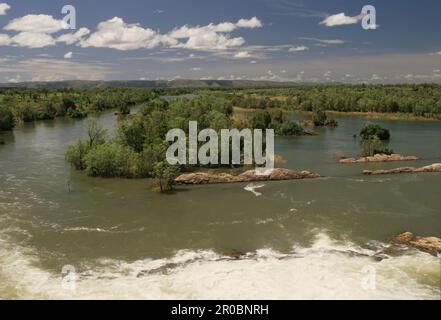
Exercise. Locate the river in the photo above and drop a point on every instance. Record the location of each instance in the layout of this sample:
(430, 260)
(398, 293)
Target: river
(305, 239)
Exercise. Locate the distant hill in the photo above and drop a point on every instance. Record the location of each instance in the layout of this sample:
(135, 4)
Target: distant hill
(181, 83)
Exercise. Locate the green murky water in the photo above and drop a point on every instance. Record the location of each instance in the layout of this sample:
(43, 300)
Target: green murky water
(51, 216)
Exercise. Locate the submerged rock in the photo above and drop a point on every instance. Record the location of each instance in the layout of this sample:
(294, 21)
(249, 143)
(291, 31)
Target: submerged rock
(430, 245)
(436, 167)
(378, 158)
(234, 254)
(247, 176)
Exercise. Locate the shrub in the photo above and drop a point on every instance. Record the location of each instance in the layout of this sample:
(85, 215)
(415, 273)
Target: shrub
(112, 160)
(319, 118)
(46, 112)
(104, 160)
(372, 130)
(261, 120)
(76, 154)
(331, 123)
(155, 104)
(6, 119)
(289, 129)
(76, 113)
(25, 112)
(124, 109)
(373, 146)
(165, 175)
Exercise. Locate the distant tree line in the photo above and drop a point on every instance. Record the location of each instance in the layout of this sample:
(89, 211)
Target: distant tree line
(417, 99)
(19, 105)
(25, 105)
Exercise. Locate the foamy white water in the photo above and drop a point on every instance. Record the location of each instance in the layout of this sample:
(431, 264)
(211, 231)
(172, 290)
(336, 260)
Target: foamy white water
(252, 188)
(323, 271)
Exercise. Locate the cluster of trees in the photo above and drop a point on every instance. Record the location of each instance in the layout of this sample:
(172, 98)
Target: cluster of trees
(278, 121)
(26, 105)
(320, 119)
(139, 147)
(374, 140)
(417, 99)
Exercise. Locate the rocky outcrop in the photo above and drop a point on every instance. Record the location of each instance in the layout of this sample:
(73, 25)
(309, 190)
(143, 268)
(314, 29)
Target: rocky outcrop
(378, 158)
(247, 176)
(436, 167)
(430, 245)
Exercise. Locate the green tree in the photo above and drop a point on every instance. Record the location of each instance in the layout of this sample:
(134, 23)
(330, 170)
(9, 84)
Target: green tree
(289, 129)
(373, 146)
(165, 175)
(372, 130)
(76, 154)
(133, 133)
(261, 120)
(6, 119)
(319, 118)
(95, 132)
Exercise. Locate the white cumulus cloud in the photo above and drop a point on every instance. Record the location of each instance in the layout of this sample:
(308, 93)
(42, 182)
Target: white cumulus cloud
(36, 31)
(298, 49)
(213, 36)
(117, 34)
(37, 23)
(340, 19)
(4, 40)
(68, 55)
(32, 40)
(242, 55)
(71, 38)
(332, 41)
(250, 23)
(3, 8)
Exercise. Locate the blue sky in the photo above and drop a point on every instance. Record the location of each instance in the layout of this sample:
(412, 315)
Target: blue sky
(280, 40)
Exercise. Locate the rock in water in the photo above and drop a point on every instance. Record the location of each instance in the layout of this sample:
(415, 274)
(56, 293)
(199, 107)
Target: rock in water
(430, 245)
(403, 238)
(247, 176)
(436, 167)
(378, 158)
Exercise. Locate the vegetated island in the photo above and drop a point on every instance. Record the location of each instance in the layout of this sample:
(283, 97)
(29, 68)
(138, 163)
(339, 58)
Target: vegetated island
(138, 148)
(374, 147)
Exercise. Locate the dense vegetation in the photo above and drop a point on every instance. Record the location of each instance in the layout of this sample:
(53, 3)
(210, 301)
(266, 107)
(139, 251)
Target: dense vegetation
(374, 139)
(419, 100)
(27, 105)
(139, 148)
(370, 131)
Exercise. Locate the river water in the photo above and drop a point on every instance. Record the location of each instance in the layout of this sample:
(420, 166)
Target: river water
(304, 239)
